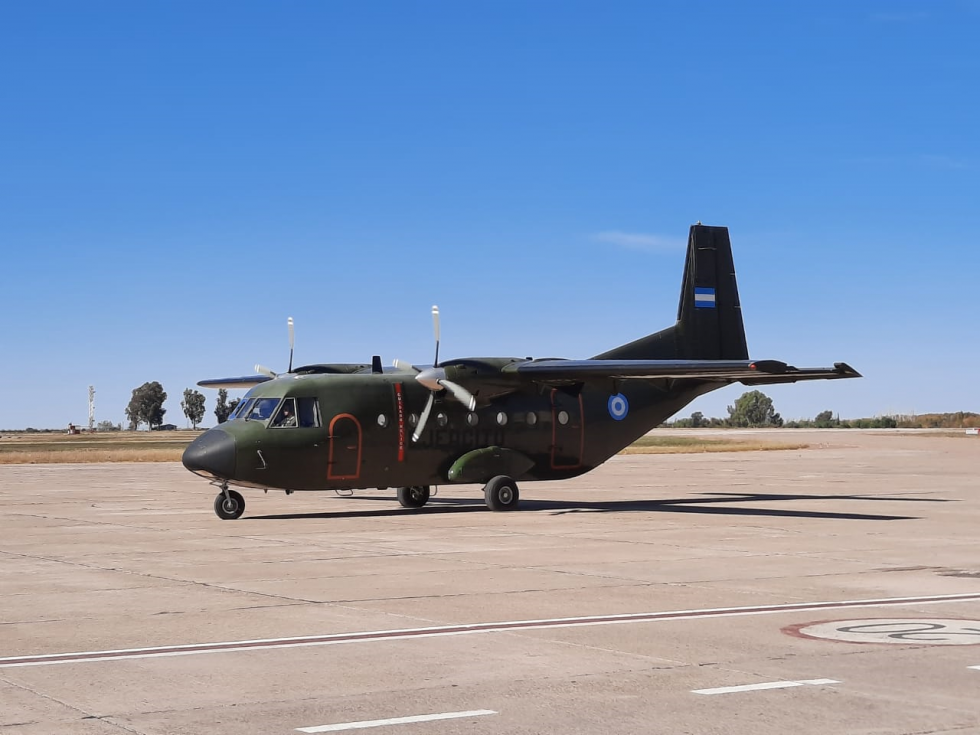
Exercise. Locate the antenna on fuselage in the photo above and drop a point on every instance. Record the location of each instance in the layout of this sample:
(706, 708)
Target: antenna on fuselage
(292, 341)
(435, 326)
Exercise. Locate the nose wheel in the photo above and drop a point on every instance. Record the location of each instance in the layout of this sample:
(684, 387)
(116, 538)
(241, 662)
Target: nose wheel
(229, 505)
(501, 493)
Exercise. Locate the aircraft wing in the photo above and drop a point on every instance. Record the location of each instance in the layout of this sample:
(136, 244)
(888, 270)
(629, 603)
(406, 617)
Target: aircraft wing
(750, 372)
(245, 381)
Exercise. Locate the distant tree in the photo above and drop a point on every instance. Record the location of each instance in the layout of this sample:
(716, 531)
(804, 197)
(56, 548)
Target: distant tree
(146, 405)
(222, 410)
(193, 405)
(753, 409)
(108, 426)
(233, 405)
(698, 420)
(824, 420)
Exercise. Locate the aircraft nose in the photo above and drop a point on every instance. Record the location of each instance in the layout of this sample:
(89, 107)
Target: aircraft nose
(212, 453)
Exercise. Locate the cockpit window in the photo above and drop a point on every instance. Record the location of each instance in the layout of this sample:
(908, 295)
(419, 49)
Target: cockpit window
(242, 408)
(262, 409)
(309, 412)
(286, 415)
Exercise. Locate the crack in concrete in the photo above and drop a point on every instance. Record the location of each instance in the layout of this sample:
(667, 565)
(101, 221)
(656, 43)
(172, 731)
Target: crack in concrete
(85, 715)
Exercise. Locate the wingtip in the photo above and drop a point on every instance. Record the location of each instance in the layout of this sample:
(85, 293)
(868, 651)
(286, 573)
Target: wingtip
(846, 370)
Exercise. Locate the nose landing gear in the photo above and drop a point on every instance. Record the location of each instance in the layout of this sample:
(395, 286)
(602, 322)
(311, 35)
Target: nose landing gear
(229, 504)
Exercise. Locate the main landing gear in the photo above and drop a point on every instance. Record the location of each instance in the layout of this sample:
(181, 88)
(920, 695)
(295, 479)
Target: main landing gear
(229, 504)
(500, 493)
(413, 497)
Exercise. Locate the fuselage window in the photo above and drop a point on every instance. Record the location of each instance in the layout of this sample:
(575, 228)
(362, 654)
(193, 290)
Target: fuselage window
(563, 417)
(286, 415)
(413, 419)
(309, 412)
(472, 419)
(442, 419)
(502, 418)
(382, 420)
(262, 409)
(532, 418)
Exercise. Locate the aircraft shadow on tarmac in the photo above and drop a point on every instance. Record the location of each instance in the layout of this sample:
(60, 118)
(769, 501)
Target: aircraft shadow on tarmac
(711, 505)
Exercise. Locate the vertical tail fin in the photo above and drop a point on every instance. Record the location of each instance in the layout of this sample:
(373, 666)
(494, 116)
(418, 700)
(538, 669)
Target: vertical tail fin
(709, 317)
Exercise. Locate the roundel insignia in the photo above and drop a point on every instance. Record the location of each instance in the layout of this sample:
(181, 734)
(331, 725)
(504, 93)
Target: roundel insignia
(618, 406)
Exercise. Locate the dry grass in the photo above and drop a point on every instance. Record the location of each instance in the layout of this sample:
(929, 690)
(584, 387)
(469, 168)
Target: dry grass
(697, 445)
(144, 446)
(127, 446)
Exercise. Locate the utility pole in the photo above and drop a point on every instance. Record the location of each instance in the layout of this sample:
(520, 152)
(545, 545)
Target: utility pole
(91, 407)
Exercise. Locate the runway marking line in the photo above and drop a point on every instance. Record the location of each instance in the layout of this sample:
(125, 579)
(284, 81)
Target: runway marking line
(765, 685)
(363, 724)
(974, 667)
(466, 629)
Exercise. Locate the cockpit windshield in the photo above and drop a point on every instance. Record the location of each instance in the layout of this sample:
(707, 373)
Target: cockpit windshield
(292, 412)
(262, 409)
(241, 410)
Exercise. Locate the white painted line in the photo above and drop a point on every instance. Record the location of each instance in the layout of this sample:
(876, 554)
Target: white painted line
(396, 721)
(974, 667)
(189, 649)
(765, 685)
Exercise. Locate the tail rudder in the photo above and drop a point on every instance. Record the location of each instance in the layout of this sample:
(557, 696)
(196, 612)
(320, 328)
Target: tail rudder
(709, 317)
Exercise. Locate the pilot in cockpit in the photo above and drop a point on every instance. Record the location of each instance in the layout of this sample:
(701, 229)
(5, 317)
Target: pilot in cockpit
(285, 417)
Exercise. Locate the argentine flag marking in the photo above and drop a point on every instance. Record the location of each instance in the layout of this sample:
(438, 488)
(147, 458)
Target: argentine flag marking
(704, 298)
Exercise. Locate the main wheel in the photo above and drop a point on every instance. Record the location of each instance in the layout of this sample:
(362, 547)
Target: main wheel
(501, 493)
(413, 497)
(230, 508)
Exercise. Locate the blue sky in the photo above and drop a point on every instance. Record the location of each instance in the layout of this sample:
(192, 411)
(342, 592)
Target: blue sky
(177, 178)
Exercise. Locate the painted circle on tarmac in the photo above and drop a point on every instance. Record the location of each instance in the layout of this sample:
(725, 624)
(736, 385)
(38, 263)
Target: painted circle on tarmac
(618, 406)
(902, 631)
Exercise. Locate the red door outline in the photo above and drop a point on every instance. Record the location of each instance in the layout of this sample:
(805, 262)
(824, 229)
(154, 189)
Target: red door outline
(346, 451)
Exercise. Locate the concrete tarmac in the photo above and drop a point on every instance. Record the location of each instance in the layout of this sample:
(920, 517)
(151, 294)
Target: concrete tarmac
(692, 582)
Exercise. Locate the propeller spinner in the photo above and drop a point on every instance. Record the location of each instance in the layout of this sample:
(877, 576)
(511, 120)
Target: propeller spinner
(434, 378)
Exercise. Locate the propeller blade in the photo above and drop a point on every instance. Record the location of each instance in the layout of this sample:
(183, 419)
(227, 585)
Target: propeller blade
(462, 395)
(405, 367)
(435, 325)
(424, 418)
(292, 341)
(263, 370)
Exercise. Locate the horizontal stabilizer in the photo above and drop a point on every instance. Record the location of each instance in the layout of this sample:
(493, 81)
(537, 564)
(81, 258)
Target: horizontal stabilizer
(245, 381)
(754, 371)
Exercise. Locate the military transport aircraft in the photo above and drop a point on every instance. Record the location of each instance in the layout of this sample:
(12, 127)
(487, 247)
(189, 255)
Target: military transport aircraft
(488, 420)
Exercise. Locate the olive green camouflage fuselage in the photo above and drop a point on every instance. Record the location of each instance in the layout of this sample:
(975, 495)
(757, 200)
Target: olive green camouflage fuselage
(366, 420)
